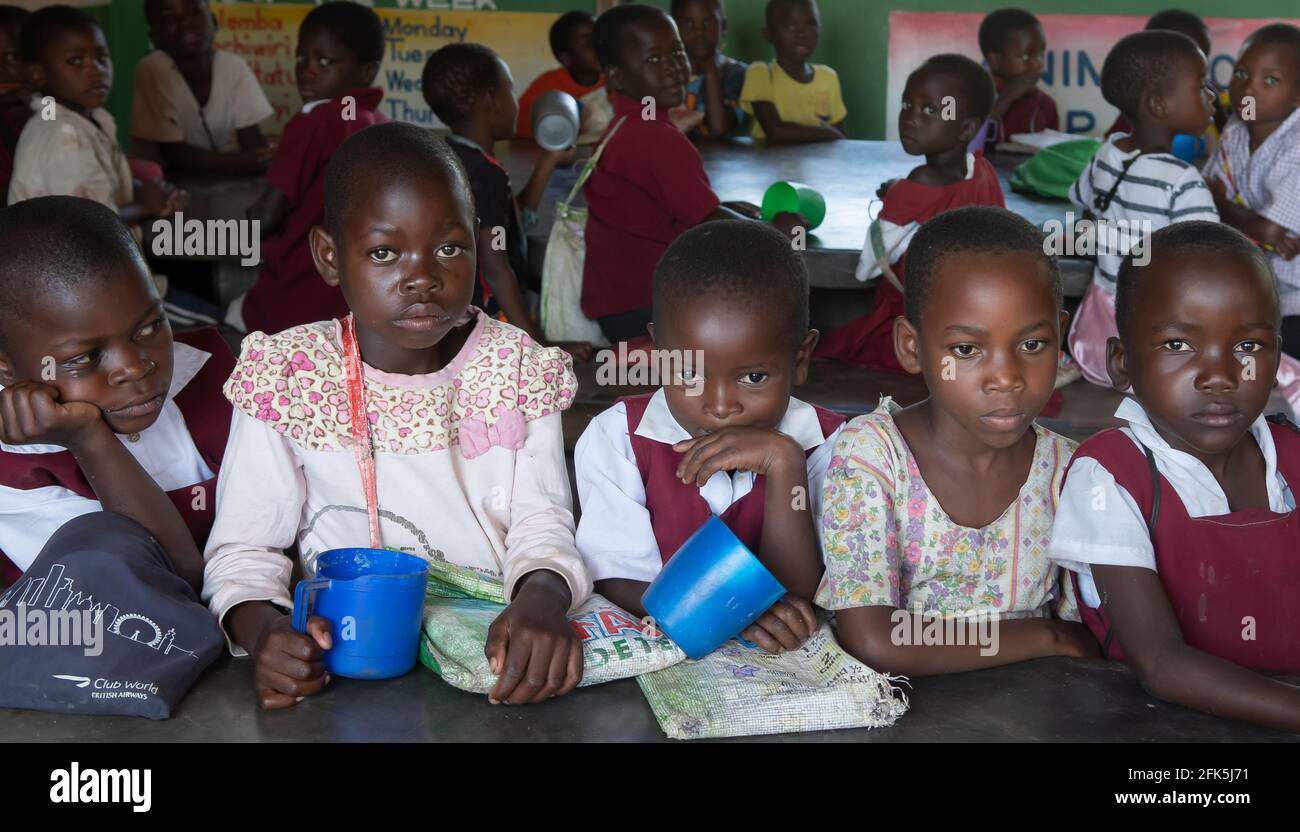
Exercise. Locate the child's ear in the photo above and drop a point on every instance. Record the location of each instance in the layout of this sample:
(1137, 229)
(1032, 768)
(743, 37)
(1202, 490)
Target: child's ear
(969, 127)
(1156, 105)
(613, 76)
(650, 330)
(566, 59)
(1117, 363)
(767, 37)
(907, 345)
(324, 253)
(994, 60)
(803, 356)
(368, 73)
(1064, 322)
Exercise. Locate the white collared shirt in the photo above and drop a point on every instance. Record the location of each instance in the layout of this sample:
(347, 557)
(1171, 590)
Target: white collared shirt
(1098, 521)
(165, 450)
(615, 535)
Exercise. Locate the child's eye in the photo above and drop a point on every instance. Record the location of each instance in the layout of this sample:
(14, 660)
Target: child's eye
(688, 377)
(929, 109)
(81, 362)
(964, 350)
(1249, 346)
(754, 378)
(1271, 81)
(906, 106)
(150, 328)
(1177, 345)
(450, 249)
(383, 255)
(1034, 345)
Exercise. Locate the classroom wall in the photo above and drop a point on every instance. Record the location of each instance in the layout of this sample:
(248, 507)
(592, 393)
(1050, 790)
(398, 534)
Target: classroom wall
(854, 34)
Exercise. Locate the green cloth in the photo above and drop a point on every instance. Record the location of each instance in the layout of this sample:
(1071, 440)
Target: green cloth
(1051, 171)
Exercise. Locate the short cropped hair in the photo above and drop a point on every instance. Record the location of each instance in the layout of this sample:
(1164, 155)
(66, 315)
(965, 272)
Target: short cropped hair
(356, 27)
(58, 244)
(1141, 64)
(977, 90)
(744, 263)
(383, 153)
(43, 25)
(456, 78)
(608, 35)
(561, 34)
(1190, 237)
(978, 229)
(998, 25)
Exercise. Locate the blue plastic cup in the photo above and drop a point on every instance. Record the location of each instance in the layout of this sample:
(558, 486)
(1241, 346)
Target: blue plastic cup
(711, 588)
(373, 599)
(1187, 147)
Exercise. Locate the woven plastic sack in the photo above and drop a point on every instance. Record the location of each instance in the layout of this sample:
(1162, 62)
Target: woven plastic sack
(1051, 171)
(742, 691)
(566, 251)
(461, 604)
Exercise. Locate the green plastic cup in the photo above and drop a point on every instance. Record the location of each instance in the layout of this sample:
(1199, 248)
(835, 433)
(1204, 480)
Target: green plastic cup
(794, 197)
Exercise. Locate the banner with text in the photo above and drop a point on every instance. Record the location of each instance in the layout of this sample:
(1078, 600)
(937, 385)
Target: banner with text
(266, 36)
(1076, 49)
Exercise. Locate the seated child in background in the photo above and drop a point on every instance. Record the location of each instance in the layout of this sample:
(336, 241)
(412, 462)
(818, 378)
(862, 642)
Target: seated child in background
(124, 420)
(716, 80)
(944, 509)
(1255, 173)
(650, 185)
(199, 106)
(15, 94)
(1176, 20)
(464, 432)
(1134, 184)
(470, 89)
(340, 46)
(76, 152)
(723, 439)
(1014, 46)
(1182, 526)
(578, 73)
(951, 177)
(790, 99)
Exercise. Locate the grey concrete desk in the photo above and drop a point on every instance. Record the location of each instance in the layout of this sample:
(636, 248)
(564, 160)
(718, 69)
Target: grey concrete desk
(1042, 700)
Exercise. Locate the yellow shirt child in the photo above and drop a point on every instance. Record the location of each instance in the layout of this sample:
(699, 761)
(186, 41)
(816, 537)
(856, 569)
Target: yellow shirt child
(817, 103)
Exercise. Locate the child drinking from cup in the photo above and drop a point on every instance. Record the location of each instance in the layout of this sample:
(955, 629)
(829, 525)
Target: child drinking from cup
(944, 509)
(416, 422)
(724, 439)
(1182, 525)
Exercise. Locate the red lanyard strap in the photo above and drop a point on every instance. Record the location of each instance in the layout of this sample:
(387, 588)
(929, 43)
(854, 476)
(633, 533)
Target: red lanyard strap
(360, 420)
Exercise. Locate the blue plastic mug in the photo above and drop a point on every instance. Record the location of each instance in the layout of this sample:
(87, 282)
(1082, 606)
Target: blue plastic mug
(373, 599)
(711, 588)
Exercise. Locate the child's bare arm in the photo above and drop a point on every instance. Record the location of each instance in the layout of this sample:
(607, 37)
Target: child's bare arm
(502, 281)
(717, 115)
(269, 209)
(1257, 227)
(31, 413)
(624, 593)
(779, 131)
(867, 633)
(1170, 669)
(531, 196)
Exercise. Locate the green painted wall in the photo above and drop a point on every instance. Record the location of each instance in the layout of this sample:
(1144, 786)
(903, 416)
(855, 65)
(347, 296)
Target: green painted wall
(854, 35)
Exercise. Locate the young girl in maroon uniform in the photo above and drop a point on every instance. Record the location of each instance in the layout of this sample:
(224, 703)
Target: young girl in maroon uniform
(726, 438)
(950, 178)
(1182, 526)
(340, 46)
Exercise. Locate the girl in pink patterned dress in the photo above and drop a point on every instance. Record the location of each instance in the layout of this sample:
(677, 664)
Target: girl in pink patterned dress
(416, 423)
(936, 518)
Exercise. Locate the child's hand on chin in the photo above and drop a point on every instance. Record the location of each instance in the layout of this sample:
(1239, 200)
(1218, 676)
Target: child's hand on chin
(31, 414)
(531, 647)
(757, 450)
(787, 624)
(289, 664)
